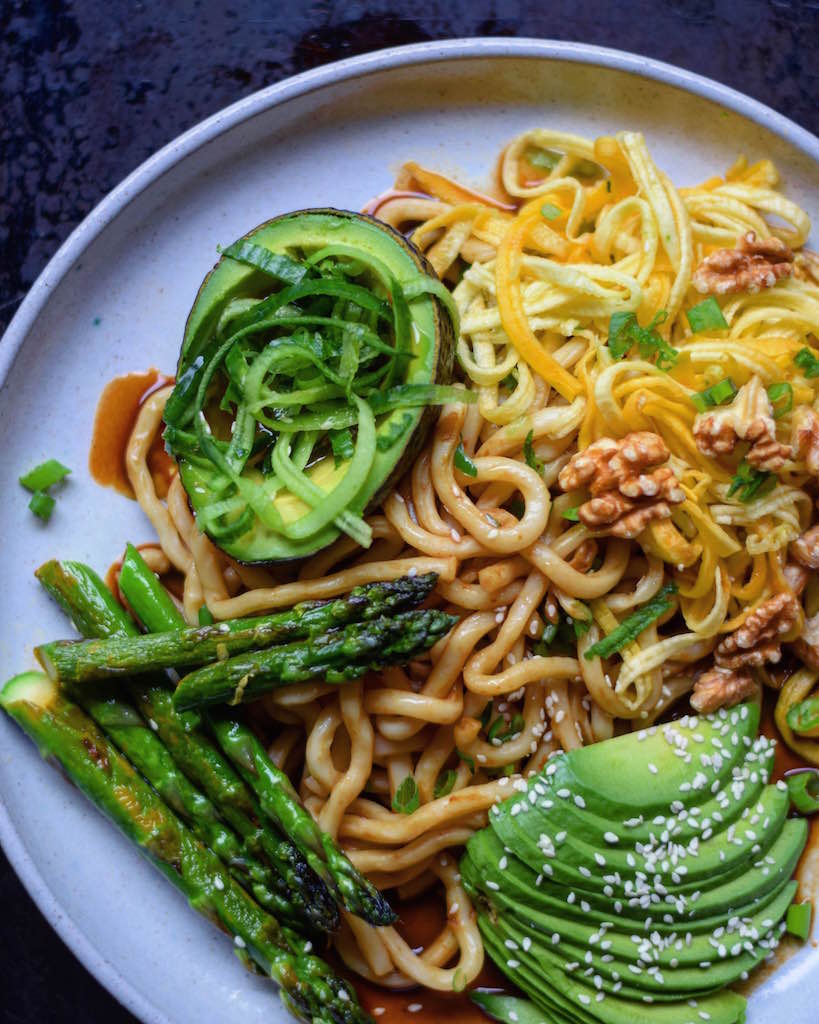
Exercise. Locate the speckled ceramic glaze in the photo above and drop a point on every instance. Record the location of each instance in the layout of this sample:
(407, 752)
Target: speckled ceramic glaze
(114, 299)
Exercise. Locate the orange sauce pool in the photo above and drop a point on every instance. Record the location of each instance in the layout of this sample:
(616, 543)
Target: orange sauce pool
(116, 414)
(420, 922)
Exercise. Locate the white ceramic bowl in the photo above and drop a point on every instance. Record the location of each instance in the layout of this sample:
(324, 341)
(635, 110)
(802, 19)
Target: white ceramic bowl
(333, 136)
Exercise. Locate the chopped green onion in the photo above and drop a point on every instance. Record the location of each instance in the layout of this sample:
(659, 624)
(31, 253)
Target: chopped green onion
(803, 787)
(532, 461)
(445, 783)
(581, 626)
(749, 483)
(630, 628)
(572, 514)
(547, 638)
(807, 362)
(407, 798)
(717, 394)
(625, 332)
(463, 462)
(545, 159)
(42, 505)
(44, 476)
(205, 616)
(781, 396)
(496, 728)
(515, 727)
(510, 382)
(798, 920)
(550, 211)
(341, 441)
(706, 316)
(517, 508)
(467, 760)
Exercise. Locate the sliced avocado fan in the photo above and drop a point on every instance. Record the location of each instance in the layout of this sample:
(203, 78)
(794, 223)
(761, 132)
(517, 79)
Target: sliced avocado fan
(310, 362)
(631, 881)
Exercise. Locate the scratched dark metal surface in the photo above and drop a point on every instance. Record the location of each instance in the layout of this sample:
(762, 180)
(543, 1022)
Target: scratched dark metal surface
(89, 90)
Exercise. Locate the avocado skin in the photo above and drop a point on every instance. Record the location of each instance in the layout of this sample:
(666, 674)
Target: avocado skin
(627, 911)
(230, 279)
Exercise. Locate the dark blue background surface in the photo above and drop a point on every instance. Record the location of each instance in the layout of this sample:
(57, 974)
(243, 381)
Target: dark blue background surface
(90, 88)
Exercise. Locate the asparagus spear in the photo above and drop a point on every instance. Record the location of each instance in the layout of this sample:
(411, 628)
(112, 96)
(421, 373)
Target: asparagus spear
(278, 798)
(79, 661)
(286, 884)
(336, 657)
(63, 731)
(86, 599)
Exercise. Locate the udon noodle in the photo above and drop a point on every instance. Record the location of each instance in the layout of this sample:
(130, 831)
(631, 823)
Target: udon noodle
(537, 276)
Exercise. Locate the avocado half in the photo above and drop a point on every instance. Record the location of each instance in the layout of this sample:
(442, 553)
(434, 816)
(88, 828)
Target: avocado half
(432, 347)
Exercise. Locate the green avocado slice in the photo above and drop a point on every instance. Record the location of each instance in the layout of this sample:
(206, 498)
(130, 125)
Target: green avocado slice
(739, 896)
(605, 908)
(580, 864)
(578, 1001)
(227, 300)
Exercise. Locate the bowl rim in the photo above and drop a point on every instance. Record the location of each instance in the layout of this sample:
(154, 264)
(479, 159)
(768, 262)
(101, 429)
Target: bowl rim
(152, 169)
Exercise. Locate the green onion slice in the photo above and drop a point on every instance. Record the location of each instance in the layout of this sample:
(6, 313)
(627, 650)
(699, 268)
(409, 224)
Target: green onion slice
(407, 798)
(706, 316)
(630, 628)
(463, 462)
(717, 394)
(44, 476)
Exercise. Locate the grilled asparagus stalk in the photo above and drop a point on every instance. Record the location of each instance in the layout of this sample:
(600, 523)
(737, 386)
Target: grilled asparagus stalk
(71, 661)
(277, 797)
(270, 867)
(62, 730)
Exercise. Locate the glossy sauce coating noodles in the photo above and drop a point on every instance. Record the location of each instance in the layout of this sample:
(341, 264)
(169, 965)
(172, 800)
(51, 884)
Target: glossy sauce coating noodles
(587, 231)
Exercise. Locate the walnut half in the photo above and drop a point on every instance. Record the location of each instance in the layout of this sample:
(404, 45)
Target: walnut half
(721, 688)
(805, 549)
(758, 639)
(805, 438)
(754, 264)
(628, 483)
(748, 418)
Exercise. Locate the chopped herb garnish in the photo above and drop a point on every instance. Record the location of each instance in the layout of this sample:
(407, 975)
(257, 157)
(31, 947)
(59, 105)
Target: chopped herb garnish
(515, 727)
(407, 798)
(517, 508)
(807, 362)
(706, 316)
(717, 394)
(42, 505)
(342, 444)
(445, 783)
(206, 616)
(625, 332)
(630, 628)
(781, 396)
(496, 728)
(550, 211)
(532, 461)
(545, 159)
(44, 476)
(572, 513)
(750, 483)
(463, 461)
(581, 626)
(510, 382)
(467, 760)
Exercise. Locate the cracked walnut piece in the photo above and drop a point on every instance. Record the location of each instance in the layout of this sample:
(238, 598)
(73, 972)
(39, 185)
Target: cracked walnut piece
(721, 688)
(805, 549)
(805, 438)
(758, 639)
(754, 264)
(624, 498)
(748, 418)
